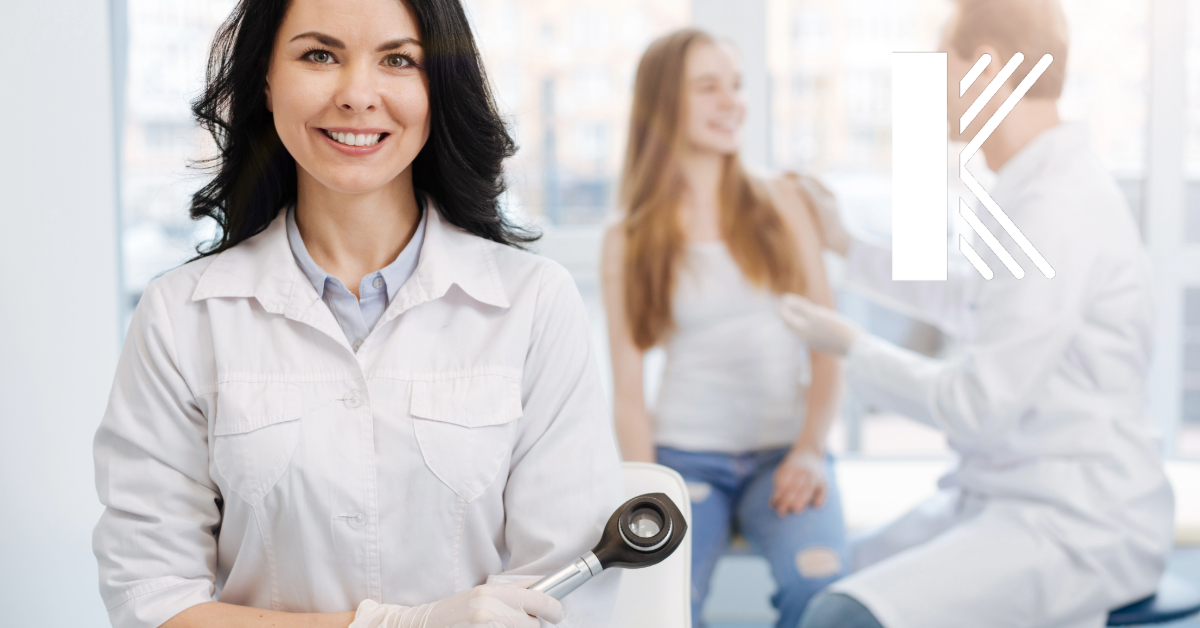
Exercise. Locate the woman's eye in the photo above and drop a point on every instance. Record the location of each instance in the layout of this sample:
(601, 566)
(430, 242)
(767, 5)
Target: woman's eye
(397, 61)
(320, 56)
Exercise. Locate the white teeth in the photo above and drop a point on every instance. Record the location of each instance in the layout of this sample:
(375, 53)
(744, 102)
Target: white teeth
(350, 139)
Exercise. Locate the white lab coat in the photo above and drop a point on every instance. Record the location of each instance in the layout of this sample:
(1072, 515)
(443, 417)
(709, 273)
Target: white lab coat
(1059, 509)
(248, 454)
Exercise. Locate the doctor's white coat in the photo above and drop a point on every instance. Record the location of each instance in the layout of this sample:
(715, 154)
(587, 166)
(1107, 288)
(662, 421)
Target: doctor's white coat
(249, 453)
(1059, 509)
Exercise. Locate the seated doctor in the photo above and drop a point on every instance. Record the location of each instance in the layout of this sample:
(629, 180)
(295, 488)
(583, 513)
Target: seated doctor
(1059, 510)
(365, 394)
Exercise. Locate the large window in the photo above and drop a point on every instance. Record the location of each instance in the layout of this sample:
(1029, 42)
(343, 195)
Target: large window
(168, 46)
(563, 75)
(1187, 435)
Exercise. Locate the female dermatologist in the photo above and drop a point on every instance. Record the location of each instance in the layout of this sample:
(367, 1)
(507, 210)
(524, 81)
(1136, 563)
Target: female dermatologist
(697, 263)
(364, 395)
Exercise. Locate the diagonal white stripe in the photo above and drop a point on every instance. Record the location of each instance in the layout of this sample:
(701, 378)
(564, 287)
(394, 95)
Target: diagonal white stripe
(973, 74)
(977, 106)
(974, 258)
(989, 239)
(977, 189)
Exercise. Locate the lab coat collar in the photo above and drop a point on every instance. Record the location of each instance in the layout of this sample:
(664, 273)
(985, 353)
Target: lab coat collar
(452, 257)
(264, 268)
(1032, 161)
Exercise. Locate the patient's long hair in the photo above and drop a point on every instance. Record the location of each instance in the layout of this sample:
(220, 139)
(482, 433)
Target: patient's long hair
(758, 237)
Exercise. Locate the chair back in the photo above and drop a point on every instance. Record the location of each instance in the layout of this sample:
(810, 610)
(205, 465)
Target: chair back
(658, 596)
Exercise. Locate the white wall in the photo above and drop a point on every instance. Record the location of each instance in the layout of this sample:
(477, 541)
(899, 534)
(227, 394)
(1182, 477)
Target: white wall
(58, 308)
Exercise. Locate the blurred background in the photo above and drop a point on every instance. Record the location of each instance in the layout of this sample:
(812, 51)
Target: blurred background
(101, 164)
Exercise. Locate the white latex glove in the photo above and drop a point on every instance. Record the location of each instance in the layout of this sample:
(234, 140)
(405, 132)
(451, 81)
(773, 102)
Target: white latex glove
(485, 606)
(821, 328)
(833, 230)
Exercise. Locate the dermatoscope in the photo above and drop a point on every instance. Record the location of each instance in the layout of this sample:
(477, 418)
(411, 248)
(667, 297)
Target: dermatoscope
(644, 531)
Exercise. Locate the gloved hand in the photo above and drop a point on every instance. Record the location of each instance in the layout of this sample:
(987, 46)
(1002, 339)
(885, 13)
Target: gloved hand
(833, 231)
(821, 328)
(485, 606)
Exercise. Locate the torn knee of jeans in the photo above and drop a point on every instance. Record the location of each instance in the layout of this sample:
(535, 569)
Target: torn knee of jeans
(818, 562)
(698, 491)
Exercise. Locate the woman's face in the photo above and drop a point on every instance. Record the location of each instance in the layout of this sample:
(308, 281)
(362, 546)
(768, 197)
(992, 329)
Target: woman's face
(713, 99)
(348, 90)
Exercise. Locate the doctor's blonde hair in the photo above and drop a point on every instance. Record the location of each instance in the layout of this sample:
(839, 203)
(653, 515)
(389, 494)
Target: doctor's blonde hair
(758, 237)
(1031, 27)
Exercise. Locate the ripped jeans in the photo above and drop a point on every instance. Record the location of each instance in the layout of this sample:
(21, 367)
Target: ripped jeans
(807, 551)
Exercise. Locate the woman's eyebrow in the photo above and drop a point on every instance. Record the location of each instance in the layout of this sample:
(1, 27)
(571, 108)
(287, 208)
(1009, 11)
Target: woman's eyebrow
(397, 43)
(332, 42)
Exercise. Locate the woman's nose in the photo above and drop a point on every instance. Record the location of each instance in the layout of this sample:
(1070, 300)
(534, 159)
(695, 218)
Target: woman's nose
(357, 91)
(728, 99)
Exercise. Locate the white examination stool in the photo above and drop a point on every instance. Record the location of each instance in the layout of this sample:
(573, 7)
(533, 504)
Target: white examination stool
(658, 596)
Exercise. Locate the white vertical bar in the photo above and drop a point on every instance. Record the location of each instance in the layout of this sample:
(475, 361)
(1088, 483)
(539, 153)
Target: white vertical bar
(1164, 209)
(919, 229)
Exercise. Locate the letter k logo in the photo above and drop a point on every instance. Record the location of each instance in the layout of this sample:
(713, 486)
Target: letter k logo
(919, 229)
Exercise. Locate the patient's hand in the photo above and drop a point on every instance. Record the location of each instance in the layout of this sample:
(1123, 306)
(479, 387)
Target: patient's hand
(799, 482)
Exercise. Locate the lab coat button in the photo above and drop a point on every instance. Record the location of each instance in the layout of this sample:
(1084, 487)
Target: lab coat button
(356, 345)
(354, 519)
(353, 400)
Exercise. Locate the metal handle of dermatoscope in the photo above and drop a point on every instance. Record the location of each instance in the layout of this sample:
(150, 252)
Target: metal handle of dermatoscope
(644, 531)
(560, 583)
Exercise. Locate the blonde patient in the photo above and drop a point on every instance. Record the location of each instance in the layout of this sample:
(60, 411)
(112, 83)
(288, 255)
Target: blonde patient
(696, 264)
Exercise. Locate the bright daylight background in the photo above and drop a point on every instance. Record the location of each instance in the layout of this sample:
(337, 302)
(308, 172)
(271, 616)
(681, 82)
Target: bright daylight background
(563, 71)
(91, 214)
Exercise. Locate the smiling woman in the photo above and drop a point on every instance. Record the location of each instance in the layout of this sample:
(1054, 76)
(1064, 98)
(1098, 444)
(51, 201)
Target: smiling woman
(364, 394)
(427, 83)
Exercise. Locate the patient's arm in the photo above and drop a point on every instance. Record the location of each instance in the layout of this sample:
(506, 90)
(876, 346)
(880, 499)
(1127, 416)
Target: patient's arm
(940, 303)
(869, 265)
(800, 480)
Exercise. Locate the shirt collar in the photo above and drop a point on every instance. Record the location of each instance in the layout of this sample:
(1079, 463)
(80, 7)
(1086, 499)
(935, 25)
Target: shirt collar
(394, 274)
(316, 275)
(264, 267)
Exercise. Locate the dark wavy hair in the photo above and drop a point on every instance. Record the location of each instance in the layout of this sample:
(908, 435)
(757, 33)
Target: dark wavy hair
(460, 167)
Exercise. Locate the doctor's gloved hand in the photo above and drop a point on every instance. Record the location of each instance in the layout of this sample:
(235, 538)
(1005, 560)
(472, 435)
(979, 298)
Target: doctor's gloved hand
(485, 606)
(821, 328)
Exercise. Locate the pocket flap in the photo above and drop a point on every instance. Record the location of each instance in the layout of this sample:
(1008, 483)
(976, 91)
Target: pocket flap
(472, 401)
(248, 406)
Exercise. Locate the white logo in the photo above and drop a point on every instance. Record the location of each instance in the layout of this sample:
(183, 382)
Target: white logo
(919, 230)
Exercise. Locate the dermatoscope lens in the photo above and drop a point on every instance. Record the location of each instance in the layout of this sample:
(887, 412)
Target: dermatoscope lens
(645, 523)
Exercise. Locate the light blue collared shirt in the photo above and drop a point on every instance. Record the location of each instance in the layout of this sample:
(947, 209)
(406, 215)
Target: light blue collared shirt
(357, 317)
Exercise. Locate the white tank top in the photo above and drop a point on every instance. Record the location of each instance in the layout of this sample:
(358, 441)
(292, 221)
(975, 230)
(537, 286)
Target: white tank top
(736, 377)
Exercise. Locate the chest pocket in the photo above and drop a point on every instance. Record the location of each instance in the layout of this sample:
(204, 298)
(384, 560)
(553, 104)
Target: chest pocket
(256, 433)
(465, 428)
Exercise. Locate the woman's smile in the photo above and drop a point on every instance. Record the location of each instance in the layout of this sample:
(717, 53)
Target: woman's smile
(350, 141)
